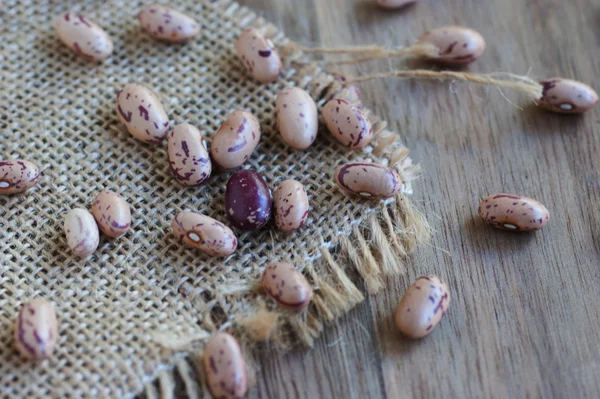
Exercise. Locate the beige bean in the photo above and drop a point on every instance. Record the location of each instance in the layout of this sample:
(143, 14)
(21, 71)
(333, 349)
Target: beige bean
(513, 212)
(112, 214)
(141, 111)
(391, 4)
(297, 117)
(457, 44)
(225, 367)
(235, 140)
(368, 180)
(284, 283)
(167, 24)
(36, 330)
(259, 56)
(204, 233)
(291, 206)
(422, 307)
(82, 232)
(17, 176)
(188, 156)
(567, 96)
(347, 123)
(83, 36)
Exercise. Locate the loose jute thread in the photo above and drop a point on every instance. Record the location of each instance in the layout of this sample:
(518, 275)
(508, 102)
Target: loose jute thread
(519, 83)
(374, 52)
(523, 84)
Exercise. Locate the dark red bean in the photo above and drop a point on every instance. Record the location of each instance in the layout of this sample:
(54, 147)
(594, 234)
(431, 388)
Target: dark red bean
(247, 200)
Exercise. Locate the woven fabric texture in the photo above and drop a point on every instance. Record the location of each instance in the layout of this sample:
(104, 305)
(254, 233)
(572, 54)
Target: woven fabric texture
(58, 111)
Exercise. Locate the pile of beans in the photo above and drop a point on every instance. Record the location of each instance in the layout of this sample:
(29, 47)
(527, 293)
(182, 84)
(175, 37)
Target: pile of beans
(249, 203)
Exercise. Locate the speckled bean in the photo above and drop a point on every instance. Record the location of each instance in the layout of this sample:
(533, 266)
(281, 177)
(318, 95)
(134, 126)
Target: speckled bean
(247, 200)
(83, 36)
(347, 123)
(112, 214)
(567, 96)
(17, 176)
(297, 117)
(204, 233)
(165, 23)
(259, 56)
(291, 206)
(422, 307)
(235, 140)
(225, 367)
(284, 283)
(394, 3)
(350, 93)
(141, 111)
(368, 180)
(188, 156)
(457, 44)
(36, 330)
(513, 212)
(82, 232)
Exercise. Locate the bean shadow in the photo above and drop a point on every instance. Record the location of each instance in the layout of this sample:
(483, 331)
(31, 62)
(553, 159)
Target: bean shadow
(490, 239)
(535, 120)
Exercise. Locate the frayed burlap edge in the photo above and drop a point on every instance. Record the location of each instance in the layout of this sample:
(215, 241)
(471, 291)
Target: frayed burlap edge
(376, 248)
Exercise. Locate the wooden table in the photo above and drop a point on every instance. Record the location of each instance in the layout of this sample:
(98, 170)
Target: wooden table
(524, 318)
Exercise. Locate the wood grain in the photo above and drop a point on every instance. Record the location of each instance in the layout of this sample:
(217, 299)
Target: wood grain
(524, 319)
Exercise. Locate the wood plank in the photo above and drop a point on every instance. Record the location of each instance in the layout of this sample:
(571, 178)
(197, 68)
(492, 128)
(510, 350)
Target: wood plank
(523, 320)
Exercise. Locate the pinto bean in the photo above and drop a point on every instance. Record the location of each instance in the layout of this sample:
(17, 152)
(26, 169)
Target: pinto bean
(513, 212)
(368, 180)
(422, 307)
(456, 44)
(205, 233)
(235, 140)
(259, 56)
(347, 123)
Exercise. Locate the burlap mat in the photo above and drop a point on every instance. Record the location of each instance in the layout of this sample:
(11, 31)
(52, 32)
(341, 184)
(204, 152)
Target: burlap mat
(139, 307)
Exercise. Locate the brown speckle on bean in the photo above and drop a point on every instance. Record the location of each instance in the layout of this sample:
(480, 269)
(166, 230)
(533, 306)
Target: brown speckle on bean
(17, 176)
(456, 44)
(140, 110)
(167, 24)
(368, 180)
(567, 96)
(225, 367)
(204, 233)
(422, 307)
(259, 56)
(36, 330)
(513, 212)
(112, 214)
(347, 123)
(83, 36)
(82, 232)
(235, 140)
(291, 206)
(284, 283)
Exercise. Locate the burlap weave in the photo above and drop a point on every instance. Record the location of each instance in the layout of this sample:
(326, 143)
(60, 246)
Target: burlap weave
(137, 308)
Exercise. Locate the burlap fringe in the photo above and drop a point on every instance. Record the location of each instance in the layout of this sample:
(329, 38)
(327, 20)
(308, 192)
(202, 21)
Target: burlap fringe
(375, 249)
